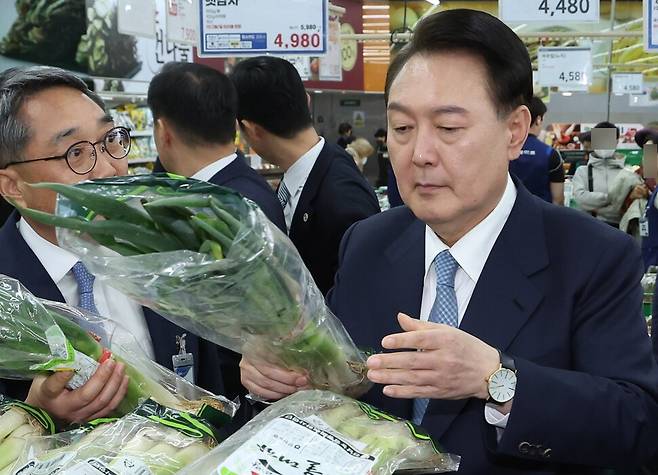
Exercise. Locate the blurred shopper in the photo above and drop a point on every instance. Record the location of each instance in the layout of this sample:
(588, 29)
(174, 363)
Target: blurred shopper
(382, 158)
(194, 113)
(539, 166)
(322, 192)
(345, 136)
(360, 149)
(649, 228)
(598, 187)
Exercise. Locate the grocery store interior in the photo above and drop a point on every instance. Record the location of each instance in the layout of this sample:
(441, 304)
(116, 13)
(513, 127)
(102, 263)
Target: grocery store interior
(191, 282)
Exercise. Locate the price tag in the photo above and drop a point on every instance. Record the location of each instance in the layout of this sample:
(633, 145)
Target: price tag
(522, 11)
(182, 21)
(627, 83)
(566, 68)
(256, 27)
(650, 16)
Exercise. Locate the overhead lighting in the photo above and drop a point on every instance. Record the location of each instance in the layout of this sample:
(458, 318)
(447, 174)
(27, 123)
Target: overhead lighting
(376, 7)
(433, 2)
(567, 94)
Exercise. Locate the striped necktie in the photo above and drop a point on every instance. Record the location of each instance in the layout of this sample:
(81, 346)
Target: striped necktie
(283, 194)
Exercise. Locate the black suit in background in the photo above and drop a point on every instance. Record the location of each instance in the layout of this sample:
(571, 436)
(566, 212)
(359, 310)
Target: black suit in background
(335, 196)
(248, 182)
(212, 372)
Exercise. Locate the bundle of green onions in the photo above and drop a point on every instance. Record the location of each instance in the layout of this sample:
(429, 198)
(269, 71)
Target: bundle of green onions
(18, 421)
(211, 262)
(321, 432)
(152, 440)
(39, 337)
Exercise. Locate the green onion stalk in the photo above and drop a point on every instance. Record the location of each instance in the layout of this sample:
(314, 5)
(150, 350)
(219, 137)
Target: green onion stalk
(211, 262)
(40, 339)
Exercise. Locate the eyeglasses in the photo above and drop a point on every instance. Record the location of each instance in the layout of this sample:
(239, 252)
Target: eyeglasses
(81, 157)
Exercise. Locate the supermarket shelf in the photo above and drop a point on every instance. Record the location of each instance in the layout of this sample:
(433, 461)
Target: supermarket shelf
(141, 133)
(139, 161)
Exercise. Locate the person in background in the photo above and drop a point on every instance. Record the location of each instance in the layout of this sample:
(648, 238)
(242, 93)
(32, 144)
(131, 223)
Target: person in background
(593, 183)
(383, 163)
(360, 149)
(322, 192)
(650, 232)
(57, 130)
(345, 136)
(194, 113)
(539, 166)
(512, 328)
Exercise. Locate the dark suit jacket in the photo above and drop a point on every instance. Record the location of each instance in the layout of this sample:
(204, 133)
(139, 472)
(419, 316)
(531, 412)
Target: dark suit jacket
(335, 196)
(245, 180)
(560, 292)
(18, 261)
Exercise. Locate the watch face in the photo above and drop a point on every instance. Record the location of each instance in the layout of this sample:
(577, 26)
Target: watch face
(502, 385)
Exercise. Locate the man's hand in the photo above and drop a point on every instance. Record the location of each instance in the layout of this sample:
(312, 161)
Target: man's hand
(98, 397)
(451, 363)
(639, 192)
(270, 382)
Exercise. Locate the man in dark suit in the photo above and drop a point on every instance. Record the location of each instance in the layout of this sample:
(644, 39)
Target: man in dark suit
(525, 356)
(56, 130)
(322, 190)
(194, 109)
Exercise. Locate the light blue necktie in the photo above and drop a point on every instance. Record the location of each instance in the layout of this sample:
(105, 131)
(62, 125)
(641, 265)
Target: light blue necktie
(283, 194)
(444, 310)
(85, 280)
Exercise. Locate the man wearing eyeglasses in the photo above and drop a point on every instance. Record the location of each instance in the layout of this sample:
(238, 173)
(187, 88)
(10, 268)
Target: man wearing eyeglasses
(54, 129)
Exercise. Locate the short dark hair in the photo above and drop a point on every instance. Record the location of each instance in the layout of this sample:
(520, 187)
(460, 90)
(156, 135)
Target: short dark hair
(380, 133)
(344, 127)
(272, 95)
(642, 136)
(537, 109)
(17, 85)
(198, 100)
(485, 37)
(607, 125)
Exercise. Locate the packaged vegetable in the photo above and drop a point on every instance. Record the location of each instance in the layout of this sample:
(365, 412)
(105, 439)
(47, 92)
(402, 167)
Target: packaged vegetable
(211, 262)
(153, 440)
(39, 336)
(322, 433)
(18, 422)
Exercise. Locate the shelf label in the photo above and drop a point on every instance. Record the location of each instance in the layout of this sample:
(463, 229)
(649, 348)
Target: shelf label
(566, 68)
(257, 27)
(627, 83)
(521, 11)
(182, 21)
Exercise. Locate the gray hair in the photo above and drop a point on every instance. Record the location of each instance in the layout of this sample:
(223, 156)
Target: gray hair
(16, 86)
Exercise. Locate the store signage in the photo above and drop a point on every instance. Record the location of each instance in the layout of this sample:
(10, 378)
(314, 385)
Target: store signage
(650, 15)
(627, 83)
(182, 21)
(256, 27)
(136, 17)
(517, 11)
(566, 68)
(350, 102)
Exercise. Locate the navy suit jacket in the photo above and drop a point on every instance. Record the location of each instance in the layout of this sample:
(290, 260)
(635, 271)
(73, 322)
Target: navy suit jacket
(248, 182)
(19, 262)
(335, 196)
(560, 292)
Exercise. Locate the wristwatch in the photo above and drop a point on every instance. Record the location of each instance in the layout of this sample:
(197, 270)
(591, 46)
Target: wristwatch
(501, 384)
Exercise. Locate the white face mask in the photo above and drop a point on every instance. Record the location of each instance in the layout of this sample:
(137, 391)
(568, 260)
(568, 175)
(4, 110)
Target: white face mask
(605, 153)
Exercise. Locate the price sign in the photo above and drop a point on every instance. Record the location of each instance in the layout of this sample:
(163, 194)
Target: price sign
(522, 11)
(182, 21)
(256, 27)
(650, 17)
(566, 68)
(627, 83)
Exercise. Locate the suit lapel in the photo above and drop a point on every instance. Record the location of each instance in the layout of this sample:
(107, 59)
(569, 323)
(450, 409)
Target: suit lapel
(505, 296)
(304, 209)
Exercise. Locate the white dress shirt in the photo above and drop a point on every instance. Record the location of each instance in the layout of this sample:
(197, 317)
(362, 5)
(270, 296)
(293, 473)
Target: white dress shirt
(295, 179)
(209, 171)
(110, 302)
(471, 253)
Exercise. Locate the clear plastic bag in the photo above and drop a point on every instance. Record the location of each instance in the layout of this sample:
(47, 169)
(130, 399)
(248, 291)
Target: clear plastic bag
(318, 432)
(153, 440)
(18, 422)
(249, 291)
(39, 336)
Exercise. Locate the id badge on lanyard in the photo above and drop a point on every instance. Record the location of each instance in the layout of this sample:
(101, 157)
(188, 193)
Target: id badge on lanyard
(644, 222)
(183, 362)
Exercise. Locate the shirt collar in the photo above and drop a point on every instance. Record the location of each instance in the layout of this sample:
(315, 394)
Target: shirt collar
(298, 173)
(209, 171)
(472, 250)
(57, 261)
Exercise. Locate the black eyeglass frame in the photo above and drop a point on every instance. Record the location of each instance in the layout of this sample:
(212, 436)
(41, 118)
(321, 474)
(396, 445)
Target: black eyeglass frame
(93, 144)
